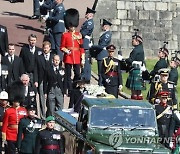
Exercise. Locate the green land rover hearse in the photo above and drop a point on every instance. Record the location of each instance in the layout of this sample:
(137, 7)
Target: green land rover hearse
(109, 126)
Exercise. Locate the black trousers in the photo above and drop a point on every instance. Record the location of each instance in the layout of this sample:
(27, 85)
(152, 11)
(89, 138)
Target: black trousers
(11, 146)
(67, 79)
(113, 90)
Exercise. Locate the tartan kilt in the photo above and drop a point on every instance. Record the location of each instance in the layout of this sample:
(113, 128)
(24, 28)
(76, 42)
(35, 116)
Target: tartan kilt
(134, 80)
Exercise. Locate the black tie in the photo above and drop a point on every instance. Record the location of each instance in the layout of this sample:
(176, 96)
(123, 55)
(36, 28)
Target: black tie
(56, 70)
(11, 59)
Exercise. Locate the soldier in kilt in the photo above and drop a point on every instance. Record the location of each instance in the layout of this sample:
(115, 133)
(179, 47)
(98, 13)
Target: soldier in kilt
(136, 61)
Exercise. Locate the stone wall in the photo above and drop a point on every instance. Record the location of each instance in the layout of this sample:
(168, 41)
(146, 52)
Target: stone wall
(157, 20)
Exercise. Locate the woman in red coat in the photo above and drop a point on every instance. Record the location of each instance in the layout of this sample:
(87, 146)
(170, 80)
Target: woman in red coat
(13, 115)
(72, 47)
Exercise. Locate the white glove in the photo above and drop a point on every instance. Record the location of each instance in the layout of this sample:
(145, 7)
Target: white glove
(68, 52)
(157, 101)
(120, 87)
(82, 62)
(171, 145)
(108, 80)
(120, 57)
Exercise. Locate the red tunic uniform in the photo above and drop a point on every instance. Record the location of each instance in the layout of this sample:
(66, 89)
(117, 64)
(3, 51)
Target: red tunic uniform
(11, 118)
(72, 42)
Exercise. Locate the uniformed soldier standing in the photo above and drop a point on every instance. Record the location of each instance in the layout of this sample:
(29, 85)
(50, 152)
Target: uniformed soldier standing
(56, 22)
(3, 40)
(13, 115)
(49, 140)
(163, 115)
(161, 63)
(173, 74)
(86, 31)
(136, 61)
(163, 85)
(72, 47)
(28, 127)
(3, 106)
(111, 73)
(99, 51)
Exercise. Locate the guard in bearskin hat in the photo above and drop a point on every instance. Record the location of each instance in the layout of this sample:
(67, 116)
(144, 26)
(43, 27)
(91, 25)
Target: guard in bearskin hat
(72, 47)
(13, 115)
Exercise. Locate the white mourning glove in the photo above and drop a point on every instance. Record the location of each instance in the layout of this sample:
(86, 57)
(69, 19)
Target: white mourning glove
(68, 52)
(157, 101)
(108, 80)
(120, 87)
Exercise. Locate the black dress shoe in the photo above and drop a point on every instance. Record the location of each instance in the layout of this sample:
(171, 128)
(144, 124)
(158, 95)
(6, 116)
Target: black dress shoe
(34, 17)
(12, 1)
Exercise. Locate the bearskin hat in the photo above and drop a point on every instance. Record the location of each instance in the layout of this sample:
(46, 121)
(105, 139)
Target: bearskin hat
(16, 92)
(71, 18)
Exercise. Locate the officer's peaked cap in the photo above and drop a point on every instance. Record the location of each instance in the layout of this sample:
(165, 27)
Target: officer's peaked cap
(111, 48)
(31, 107)
(90, 11)
(163, 94)
(106, 22)
(164, 71)
(50, 118)
(71, 18)
(16, 92)
(4, 95)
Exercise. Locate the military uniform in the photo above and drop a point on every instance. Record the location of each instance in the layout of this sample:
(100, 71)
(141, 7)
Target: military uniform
(164, 116)
(134, 80)
(28, 127)
(86, 31)
(49, 140)
(173, 75)
(3, 40)
(99, 51)
(157, 87)
(161, 63)
(111, 73)
(56, 23)
(72, 47)
(3, 107)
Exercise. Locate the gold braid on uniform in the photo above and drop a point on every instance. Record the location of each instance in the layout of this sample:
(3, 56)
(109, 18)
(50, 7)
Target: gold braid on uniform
(158, 87)
(76, 37)
(109, 66)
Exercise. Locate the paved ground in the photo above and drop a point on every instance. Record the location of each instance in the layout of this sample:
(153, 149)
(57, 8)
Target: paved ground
(15, 16)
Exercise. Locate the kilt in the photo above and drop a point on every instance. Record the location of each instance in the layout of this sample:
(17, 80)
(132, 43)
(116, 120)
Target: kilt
(134, 80)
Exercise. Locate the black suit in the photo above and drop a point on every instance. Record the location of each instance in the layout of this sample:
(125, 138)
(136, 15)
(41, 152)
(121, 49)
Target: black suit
(53, 86)
(29, 59)
(3, 79)
(52, 79)
(31, 96)
(15, 69)
(40, 67)
(39, 74)
(3, 40)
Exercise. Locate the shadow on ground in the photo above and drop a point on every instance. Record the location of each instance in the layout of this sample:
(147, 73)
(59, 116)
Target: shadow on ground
(15, 14)
(19, 26)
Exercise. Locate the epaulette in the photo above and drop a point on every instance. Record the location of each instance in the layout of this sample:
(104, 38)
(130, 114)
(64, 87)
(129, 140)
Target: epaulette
(42, 129)
(171, 82)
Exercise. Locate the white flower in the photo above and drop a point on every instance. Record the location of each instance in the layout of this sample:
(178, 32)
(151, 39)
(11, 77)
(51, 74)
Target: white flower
(95, 90)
